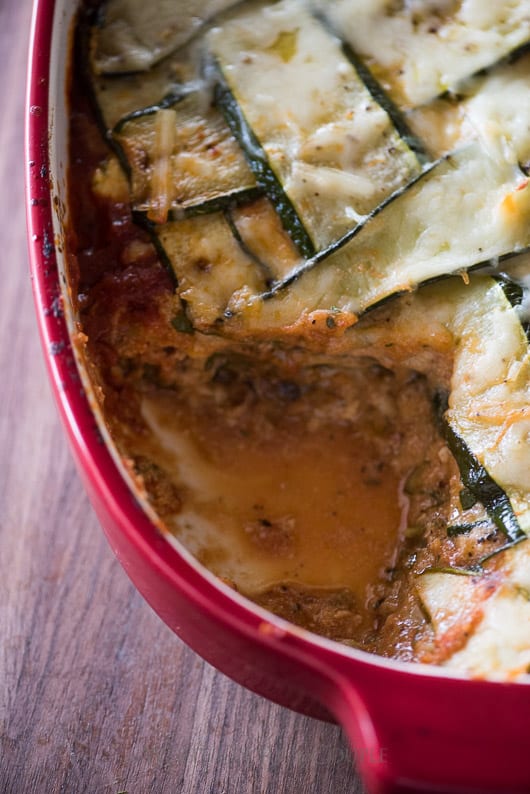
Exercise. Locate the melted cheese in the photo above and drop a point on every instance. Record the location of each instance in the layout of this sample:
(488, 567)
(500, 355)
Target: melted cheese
(490, 393)
(133, 38)
(332, 146)
(499, 648)
(424, 233)
(423, 49)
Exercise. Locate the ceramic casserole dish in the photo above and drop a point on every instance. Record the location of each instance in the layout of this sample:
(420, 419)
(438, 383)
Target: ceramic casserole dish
(412, 727)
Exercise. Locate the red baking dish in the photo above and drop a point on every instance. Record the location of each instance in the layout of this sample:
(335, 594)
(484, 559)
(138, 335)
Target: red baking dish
(412, 727)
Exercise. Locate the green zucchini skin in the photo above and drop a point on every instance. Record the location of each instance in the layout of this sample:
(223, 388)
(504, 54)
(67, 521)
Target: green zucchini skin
(176, 95)
(322, 255)
(262, 266)
(454, 530)
(223, 203)
(379, 94)
(141, 220)
(260, 166)
(514, 292)
(393, 39)
(476, 479)
(182, 321)
(203, 165)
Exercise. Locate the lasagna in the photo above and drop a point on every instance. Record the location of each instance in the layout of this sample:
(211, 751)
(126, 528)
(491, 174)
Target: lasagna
(298, 245)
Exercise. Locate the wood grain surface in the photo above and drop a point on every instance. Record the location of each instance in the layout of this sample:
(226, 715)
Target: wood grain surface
(96, 694)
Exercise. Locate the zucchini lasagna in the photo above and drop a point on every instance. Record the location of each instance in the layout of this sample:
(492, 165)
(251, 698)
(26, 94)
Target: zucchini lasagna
(298, 244)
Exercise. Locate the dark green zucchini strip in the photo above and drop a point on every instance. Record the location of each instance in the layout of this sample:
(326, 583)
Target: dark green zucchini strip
(514, 292)
(505, 547)
(260, 230)
(383, 99)
(181, 155)
(380, 95)
(451, 46)
(223, 203)
(476, 479)
(454, 530)
(177, 94)
(324, 254)
(181, 322)
(266, 272)
(141, 220)
(473, 570)
(260, 166)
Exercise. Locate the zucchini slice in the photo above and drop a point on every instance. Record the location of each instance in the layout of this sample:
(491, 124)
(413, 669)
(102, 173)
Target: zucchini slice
(259, 228)
(487, 418)
(133, 35)
(481, 623)
(489, 403)
(501, 640)
(447, 599)
(209, 264)
(318, 142)
(451, 40)
(497, 107)
(182, 156)
(424, 233)
(493, 107)
(478, 482)
(117, 96)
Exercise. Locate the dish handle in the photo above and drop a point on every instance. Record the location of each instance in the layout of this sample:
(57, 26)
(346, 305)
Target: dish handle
(414, 733)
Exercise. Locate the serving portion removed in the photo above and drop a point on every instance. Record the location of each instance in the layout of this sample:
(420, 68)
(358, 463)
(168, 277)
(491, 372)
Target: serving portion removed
(299, 237)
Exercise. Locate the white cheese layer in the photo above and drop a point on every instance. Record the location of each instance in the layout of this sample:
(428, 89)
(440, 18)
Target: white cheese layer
(136, 34)
(499, 647)
(466, 210)
(422, 49)
(499, 112)
(333, 148)
(489, 403)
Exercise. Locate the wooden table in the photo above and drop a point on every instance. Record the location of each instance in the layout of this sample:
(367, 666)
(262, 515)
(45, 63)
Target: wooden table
(96, 694)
